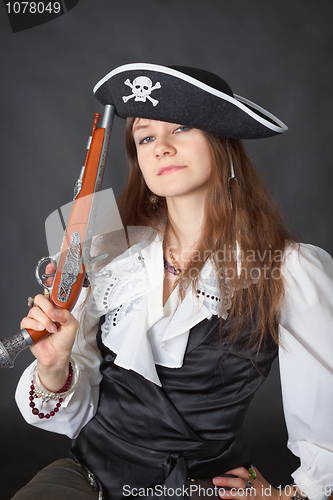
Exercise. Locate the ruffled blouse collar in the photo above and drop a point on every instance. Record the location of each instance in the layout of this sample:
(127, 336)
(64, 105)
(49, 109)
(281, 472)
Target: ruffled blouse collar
(138, 329)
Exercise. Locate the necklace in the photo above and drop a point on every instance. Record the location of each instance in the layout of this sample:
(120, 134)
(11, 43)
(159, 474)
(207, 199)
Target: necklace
(174, 269)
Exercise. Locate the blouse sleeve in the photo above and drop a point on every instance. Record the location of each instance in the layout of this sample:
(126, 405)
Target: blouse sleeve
(80, 406)
(306, 366)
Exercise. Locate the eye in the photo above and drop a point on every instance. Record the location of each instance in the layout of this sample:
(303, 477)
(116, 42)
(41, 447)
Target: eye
(181, 128)
(146, 140)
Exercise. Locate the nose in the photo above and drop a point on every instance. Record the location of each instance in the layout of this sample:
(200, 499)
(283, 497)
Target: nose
(164, 146)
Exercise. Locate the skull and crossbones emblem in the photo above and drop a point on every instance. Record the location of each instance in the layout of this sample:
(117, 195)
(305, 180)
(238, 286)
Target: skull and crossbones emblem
(142, 87)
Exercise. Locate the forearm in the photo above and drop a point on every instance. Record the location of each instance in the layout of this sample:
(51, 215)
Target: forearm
(80, 406)
(75, 411)
(53, 378)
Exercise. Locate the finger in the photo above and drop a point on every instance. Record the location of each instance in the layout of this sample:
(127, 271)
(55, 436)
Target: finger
(64, 318)
(50, 269)
(31, 324)
(239, 472)
(40, 317)
(53, 319)
(49, 309)
(229, 482)
(46, 313)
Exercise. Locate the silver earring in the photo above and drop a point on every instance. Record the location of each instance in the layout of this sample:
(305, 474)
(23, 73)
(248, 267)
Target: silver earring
(232, 172)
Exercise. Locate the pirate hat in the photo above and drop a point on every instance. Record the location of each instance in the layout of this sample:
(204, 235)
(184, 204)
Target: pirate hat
(187, 96)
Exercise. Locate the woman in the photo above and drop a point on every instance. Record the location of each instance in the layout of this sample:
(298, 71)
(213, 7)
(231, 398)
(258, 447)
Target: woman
(191, 316)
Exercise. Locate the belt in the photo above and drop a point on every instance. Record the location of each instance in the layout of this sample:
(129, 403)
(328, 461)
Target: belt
(202, 489)
(92, 479)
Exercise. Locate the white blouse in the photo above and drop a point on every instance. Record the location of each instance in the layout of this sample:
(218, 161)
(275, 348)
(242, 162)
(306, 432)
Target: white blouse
(143, 333)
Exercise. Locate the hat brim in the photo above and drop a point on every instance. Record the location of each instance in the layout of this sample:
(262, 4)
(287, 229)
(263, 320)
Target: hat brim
(177, 97)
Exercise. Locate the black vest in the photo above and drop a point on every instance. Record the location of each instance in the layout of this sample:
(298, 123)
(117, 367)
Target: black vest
(144, 435)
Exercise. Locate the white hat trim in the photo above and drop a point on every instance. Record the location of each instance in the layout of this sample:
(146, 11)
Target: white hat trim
(236, 101)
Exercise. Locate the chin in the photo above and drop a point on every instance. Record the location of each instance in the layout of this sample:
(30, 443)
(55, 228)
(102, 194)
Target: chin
(174, 189)
(171, 193)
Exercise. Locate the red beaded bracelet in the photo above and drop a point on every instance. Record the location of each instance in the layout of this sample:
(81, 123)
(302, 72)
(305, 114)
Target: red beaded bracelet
(37, 394)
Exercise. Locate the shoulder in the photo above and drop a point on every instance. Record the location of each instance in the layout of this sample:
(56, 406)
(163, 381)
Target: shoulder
(306, 267)
(308, 275)
(304, 253)
(306, 321)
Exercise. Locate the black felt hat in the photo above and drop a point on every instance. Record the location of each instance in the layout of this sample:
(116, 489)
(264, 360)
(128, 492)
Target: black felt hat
(187, 96)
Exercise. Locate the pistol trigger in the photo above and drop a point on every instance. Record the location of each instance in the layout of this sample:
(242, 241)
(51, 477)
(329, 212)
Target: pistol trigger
(45, 276)
(41, 278)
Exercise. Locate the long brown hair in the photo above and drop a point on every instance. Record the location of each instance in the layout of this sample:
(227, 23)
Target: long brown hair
(239, 211)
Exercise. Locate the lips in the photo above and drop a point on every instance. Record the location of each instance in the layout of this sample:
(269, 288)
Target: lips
(170, 169)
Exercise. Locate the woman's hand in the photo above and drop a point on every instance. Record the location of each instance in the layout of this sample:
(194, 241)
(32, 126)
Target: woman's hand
(261, 489)
(52, 352)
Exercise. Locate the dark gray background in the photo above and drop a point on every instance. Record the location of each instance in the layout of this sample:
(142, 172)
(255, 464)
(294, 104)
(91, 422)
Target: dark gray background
(277, 53)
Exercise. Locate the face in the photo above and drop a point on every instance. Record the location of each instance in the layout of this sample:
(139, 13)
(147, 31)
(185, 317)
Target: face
(174, 159)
